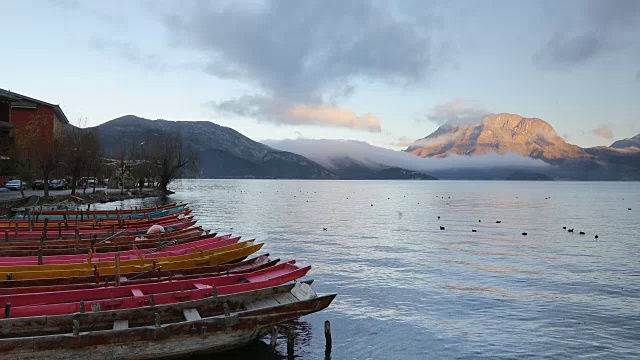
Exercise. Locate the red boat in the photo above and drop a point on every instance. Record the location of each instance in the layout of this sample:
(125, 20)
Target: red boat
(125, 297)
(247, 266)
(70, 233)
(9, 286)
(173, 250)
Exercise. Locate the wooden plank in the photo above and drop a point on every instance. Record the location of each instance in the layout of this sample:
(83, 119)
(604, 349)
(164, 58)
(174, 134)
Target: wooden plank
(191, 314)
(120, 324)
(261, 303)
(201, 286)
(303, 291)
(284, 299)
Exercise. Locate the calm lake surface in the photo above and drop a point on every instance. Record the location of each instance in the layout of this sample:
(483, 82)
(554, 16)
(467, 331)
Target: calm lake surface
(408, 290)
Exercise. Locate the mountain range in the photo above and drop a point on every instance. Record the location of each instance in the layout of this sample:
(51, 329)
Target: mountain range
(224, 152)
(497, 146)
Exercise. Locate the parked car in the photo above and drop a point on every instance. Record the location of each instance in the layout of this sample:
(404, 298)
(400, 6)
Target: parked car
(15, 185)
(37, 185)
(58, 184)
(86, 182)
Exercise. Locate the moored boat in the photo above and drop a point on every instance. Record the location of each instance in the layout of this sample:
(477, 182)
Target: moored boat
(210, 325)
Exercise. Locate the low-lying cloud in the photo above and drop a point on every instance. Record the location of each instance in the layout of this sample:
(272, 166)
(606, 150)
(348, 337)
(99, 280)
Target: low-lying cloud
(325, 152)
(283, 111)
(604, 132)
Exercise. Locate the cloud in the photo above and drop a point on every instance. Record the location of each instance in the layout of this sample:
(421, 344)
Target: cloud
(299, 49)
(131, 54)
(459, 111)
(283, 111)
(308, 54)
(86, 9)
(321, 114)
(604, 27)
(604, 132)
(325, 152)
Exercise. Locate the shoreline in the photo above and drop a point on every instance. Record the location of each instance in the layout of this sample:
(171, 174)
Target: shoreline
(11, 207)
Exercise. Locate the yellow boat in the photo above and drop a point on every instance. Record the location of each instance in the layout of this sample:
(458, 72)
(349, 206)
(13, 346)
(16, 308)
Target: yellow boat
(205, 258)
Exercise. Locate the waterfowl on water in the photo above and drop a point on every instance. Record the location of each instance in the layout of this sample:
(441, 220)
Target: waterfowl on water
(525, 234)
(324, 229)
(498, 222)
(438, 217)
(479, 221)
(474, 230)
(582, 232)
(596, 237)
(570, 230)
(441, 227)
(564, 227)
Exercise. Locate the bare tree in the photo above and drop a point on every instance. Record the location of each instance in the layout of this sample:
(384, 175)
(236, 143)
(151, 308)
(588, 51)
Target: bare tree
(81, 152)
(122, 153)
(170, 158)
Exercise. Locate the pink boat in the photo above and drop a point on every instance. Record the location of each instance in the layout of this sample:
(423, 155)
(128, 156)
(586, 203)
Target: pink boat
(173, 250)
(169, 292)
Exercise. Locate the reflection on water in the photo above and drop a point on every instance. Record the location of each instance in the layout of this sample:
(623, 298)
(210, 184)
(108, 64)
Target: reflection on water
(409, 290)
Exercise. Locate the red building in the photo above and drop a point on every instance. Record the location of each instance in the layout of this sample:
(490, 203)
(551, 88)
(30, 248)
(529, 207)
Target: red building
(21, 115)
(25, 109)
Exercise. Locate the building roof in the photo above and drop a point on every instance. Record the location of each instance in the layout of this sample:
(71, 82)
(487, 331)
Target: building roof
(8, 96)
(21, 99)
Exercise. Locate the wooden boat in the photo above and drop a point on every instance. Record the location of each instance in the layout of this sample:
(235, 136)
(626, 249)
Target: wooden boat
(88, 223)
(13, 286)
(107, 212)
(246, 266)
(84, 246)
(227, 254)
(208, 243)
(90, 264)
(209, 325)
(131, 296)
(71, 232)
(84, 214)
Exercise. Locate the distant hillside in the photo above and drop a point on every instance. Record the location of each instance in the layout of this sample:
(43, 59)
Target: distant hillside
(627, 143)
(224, 152)
(498, 133)
(531, 138)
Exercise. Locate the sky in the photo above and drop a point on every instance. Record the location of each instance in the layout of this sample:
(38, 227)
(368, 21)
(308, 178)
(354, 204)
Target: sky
(387, 73)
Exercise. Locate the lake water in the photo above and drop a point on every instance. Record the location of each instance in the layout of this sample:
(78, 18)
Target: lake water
(408, 290)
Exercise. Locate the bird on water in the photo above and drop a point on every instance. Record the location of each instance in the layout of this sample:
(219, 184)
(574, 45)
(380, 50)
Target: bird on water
(441, 227)
(570, 230)
(596, 237)
(582, 232)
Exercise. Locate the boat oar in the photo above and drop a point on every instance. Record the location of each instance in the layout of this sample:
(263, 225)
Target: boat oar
(112, 236)
(165, 245)
(144, 273)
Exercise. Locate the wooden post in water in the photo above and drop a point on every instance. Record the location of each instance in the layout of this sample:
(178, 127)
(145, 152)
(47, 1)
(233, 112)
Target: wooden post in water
(274, 336)
(81, 215)
(40, 255)
(118, 268)
(327, 337)
(44, 231)
(77, 240)
(7, 310)
(291, 339)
